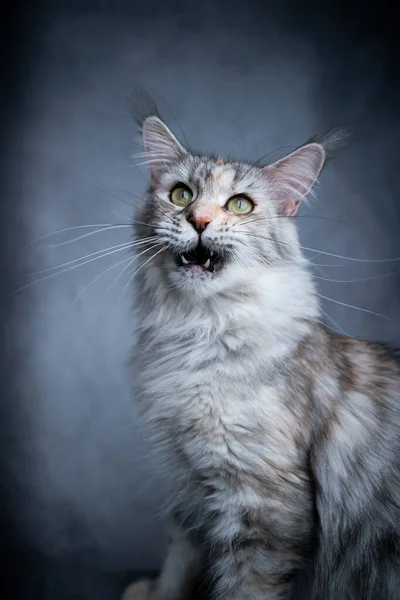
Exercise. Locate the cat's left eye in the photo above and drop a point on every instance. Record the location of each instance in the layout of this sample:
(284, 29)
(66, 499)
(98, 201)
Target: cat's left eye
(239, 205)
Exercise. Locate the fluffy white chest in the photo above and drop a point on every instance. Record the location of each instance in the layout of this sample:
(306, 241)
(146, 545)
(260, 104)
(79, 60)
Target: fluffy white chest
(227, 446)
(216, 419)
(224, 431)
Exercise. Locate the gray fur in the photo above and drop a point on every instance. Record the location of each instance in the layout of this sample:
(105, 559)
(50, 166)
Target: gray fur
(282, 438)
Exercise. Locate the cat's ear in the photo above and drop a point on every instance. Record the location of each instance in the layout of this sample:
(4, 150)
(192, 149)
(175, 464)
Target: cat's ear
(293, 176)
(160, 146)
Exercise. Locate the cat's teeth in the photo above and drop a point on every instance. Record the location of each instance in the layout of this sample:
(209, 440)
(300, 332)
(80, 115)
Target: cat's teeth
(183, 259)
(206, 264)
(212, 253)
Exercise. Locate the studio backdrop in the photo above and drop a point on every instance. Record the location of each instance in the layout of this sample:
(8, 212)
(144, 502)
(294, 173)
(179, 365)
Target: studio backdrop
(241, 79)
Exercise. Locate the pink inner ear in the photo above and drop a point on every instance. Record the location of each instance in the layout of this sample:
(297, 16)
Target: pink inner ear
(294, 209)
(293, 176)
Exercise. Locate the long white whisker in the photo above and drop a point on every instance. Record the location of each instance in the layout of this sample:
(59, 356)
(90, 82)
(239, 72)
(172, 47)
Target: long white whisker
(70, 268)
(274, 217)
(371, 312)
(338, 301)
(46, 235)
(324, 265)
(82, 258)
(112, 194)
(361, 279)
(85, 235)
(333, 321)
(141, 267)
(116, 212)
(98, 277)
(153, 155)
(360, 260)
(152, 161)
(131, 261)
(328, 326)
(342, 257)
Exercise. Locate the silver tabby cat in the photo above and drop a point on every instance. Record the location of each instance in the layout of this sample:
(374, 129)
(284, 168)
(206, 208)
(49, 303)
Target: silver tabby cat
(282, 437)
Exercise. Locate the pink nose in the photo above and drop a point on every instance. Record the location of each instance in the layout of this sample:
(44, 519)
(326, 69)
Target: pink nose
(199, 222)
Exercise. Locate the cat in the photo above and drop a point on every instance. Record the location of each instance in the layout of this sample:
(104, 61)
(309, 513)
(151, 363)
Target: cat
(282, 437)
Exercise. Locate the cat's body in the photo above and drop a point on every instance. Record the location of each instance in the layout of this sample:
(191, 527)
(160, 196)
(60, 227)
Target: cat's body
(281, 437)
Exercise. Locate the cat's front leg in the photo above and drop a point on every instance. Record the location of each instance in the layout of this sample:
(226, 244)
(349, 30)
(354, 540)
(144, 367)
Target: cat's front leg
(180, 575)
(249, 571)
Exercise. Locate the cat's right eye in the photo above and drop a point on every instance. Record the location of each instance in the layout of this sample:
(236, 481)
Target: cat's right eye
(181, 195)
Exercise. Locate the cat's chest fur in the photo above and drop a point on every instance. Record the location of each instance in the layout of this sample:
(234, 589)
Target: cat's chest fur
(214, 406)
(229, 438)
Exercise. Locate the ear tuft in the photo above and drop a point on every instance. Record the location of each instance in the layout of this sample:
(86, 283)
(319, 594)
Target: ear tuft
(161, 147)
(142, 106)
(332, 140)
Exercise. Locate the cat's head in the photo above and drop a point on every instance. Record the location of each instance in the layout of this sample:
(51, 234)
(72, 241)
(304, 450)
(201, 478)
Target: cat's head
(220, 223)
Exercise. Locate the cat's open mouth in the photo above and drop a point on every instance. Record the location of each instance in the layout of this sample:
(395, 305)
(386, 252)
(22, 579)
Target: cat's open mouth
(209, 260)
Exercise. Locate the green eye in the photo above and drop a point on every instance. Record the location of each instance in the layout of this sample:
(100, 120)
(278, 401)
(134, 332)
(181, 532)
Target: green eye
(239, 205)
(181, 195)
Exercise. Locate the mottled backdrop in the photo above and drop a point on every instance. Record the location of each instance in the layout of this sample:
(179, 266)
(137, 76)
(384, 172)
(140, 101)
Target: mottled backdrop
(237, 78)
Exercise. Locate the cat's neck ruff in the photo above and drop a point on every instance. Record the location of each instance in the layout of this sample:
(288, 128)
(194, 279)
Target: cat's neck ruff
(269, 313)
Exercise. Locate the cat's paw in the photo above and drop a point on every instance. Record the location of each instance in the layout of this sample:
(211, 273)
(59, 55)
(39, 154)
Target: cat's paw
(138, 591)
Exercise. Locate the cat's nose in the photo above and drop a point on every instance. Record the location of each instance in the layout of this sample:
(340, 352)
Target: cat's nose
(199, 222)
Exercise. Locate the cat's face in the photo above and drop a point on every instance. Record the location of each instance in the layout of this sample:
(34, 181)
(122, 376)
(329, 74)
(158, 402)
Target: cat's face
(220, 222)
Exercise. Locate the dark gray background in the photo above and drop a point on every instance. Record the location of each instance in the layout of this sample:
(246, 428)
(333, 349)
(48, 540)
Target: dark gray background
(77, 485)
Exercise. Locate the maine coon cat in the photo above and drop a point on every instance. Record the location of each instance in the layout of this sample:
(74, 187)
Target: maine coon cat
(283, 437)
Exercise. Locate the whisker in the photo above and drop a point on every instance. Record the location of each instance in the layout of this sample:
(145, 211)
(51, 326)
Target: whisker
(324, 265)
(333, 321)
(361, 279)
(124, 191)
(328, 326)
(46, 235)
(70, 268)
(365, 310)
(342, 257)
(140, 268)
(98, 277)
(86, 235)
(111, 193)
(295, 217)
(130, 262)
(163, 213)
(158, 155)
(81, 258)
(129, 258)
(352, 258)
(116, 212)
(149, 161)
(263, 259)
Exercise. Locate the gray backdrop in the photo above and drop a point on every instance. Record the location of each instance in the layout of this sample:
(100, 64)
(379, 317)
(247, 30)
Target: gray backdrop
(78, 483)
